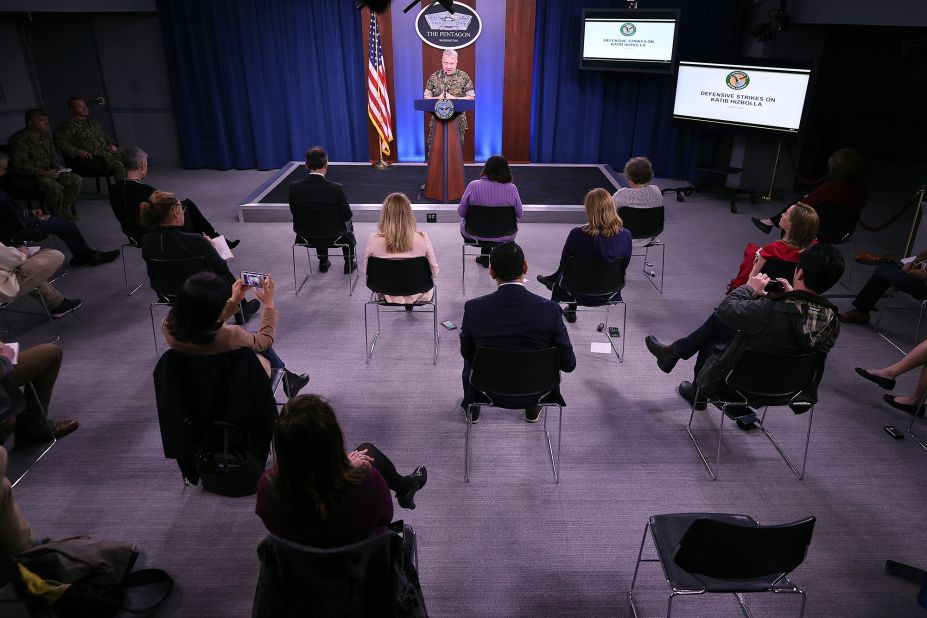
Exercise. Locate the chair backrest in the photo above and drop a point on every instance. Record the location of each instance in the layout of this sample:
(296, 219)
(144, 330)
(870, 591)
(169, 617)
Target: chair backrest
(776, 269)
(322, 222)
(10, 224)
(168, 276)
(836, 222)
(643, 222)
(490, 221)
(725, 550)
(370, 578)
(771, 378)
(405, 277)
(590, 277)
(515, 373)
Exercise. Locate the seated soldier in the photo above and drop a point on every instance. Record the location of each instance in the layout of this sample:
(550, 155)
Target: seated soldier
(85, 141)
(17, 226)
(33, 154)
(796, 321)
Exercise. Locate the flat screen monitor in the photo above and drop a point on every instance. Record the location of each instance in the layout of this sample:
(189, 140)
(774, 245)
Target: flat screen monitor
(629, 40)
(749, 95)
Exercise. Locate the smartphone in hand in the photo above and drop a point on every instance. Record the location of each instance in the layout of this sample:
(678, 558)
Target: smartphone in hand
(254, 280)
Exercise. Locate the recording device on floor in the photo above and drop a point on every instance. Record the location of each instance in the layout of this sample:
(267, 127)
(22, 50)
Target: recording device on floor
(774, 287)
(614, 331)
(448, 325)
(600, 327)
(893, 432)
(254, 280)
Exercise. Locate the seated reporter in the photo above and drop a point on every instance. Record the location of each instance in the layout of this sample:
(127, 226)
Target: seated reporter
(22, 273)
(35, 226)
(796, 321)
(126, 197)
(196, 324)
(494, 188)
(20, 410)
(319, 495)
(641, 194)
(603, 238)
(910, 277)
(886, 376)
(168, 239)
(397, 238)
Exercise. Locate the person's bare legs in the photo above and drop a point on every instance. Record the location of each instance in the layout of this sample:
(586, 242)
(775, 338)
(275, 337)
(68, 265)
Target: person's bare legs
(913, 359)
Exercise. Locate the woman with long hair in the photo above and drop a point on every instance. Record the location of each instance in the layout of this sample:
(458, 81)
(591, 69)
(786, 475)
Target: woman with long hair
(603, 238)
(397, 238)
(494, 188)
(196, 324)
(319, 495)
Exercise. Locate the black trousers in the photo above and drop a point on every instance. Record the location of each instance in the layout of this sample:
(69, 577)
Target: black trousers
(886, 275)
(321, 246)
(381, 463)
(195, 221)
(703, 341)
(64, 229)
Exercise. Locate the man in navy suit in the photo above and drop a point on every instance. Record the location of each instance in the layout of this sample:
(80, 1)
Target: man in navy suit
(511, 318)
(316, 191)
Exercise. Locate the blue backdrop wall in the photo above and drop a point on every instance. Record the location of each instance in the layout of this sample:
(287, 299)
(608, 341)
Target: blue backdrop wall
(606, 117)
(255, 83)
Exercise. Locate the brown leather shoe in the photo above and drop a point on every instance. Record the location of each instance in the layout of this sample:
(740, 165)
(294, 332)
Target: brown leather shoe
(60, 429)
(854, 317)
(872, 259)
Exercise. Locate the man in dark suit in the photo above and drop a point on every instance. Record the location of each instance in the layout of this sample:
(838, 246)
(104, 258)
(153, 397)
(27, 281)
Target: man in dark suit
(316, 191)
(511, 318)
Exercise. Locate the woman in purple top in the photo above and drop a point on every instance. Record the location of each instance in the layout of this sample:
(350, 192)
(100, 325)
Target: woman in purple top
(493, 188)
(316, 494)
(603, 238)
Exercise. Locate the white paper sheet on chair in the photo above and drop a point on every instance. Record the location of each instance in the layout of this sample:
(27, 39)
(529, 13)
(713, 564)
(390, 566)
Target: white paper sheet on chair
(221, 247)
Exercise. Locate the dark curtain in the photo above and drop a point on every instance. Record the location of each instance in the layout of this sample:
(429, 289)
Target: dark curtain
(608, 117)
(257, 82)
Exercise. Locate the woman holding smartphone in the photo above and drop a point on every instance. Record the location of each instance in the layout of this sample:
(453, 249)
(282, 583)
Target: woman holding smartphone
(196, 323)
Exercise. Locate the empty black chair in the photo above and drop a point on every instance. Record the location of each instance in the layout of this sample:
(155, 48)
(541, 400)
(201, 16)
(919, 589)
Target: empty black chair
(836, 228)
(779, 269)
(763, 379)
(486, 222)
(196, 392)
(405, 277)
(10, 226)
(166, 277)
(85, 170)
(647, 223)
(374, 577)
(318, 228)
(593, 283)
(517, 380)
(719, 552)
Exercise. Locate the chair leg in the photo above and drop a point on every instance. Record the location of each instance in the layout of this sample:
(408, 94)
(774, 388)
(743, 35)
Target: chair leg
(463, 263)
(51, 320)
(352, 278)
(369, 350)
(622, 335)
(743, 607)
(804, 461)
(554, 464)
(914, 417)
(701, 454)
(467, 444)
(920, 317)
(299, 286)
(434, 310)
(154, 333)
(637, 567)
(125, 272)
(51, 433)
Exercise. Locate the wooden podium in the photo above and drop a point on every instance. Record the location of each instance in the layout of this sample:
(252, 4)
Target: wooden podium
(445, 181)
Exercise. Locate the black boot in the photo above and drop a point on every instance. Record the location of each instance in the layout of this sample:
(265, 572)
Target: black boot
(418, 478)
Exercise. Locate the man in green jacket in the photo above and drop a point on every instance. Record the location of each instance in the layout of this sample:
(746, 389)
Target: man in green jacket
(80, 137)
(32, 153)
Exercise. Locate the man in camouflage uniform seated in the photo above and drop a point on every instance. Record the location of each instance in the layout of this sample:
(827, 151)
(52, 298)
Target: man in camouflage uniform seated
(459, 86)
(84, 141)
(32, 153)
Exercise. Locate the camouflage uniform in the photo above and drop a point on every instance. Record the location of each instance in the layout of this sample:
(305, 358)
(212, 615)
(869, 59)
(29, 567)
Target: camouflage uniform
(32, 156)
(76, 135)
(459, 84)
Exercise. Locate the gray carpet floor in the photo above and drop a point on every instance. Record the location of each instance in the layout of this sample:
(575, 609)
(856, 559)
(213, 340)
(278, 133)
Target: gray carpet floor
(511, 542)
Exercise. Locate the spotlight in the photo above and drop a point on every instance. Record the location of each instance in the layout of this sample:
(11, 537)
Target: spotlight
(447, 4)
(377, 6)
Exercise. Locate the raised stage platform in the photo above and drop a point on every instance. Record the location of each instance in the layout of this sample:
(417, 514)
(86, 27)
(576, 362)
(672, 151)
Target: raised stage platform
(550, 193)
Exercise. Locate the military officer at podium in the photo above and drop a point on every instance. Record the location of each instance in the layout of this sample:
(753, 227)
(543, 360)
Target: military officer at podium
(448, 83)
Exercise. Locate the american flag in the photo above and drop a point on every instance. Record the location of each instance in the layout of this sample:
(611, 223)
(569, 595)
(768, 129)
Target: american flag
(377, 96)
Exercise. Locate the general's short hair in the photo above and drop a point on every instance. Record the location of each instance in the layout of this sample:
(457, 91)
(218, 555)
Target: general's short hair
(73, 100)
(823, 266)
(508, 261)
(133, 157)
(316, 158)
(32, 113)
(450, 52)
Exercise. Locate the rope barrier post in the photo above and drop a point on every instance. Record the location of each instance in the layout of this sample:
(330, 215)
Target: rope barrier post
(918, 214)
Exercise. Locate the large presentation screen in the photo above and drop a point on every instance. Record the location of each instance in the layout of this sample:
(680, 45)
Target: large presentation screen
(629, 40)
(752, 96)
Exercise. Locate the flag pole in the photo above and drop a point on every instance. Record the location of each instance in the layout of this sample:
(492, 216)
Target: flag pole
(381, 164)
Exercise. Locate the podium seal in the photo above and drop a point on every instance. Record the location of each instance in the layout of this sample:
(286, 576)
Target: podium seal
(444, 109)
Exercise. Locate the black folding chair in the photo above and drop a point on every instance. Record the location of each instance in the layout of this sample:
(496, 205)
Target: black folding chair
(405, 277)
(166, 278)
(837, 226)
(725, 553)
(585, 277)
(531, 375)
(321, 228)
(21, 187)
(779, 269)
(764, 379)
(647, 223)
(84, 169)
(130, 244)
(486, 222)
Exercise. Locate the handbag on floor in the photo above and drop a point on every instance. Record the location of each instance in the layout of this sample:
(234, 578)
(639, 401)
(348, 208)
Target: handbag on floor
(81, 558)
(225, 462)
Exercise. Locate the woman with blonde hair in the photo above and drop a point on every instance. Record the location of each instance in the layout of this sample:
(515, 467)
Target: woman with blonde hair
(397, 239)
(603, 238)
